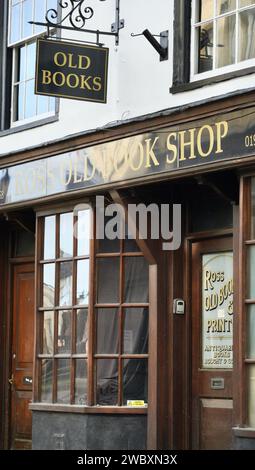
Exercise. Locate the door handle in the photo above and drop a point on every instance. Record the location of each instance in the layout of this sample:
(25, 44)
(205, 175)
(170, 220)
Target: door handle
(11, 380)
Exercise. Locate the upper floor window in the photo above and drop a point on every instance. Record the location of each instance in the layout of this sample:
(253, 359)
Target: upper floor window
(25, 105)
(222, 36)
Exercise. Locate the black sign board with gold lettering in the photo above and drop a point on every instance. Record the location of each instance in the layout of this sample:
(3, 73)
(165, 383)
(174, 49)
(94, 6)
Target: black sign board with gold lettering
(69, 70)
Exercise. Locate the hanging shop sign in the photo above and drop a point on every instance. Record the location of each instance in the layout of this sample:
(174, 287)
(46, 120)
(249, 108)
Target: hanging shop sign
(219, 140)
(217, 310)
(69, 70)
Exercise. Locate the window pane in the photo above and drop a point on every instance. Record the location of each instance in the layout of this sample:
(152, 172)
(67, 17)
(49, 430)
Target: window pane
(251, 332)
(48, 332)
(251, 396)
(135, 339)
(135, 381)
(46, 381)
(82, 293)
(48, 285)
(15, 23)
(136, 280)
(226, 37)
(21, 72)
(244, 3)
(205, 9)
(107, 382)
(63, 380)
(64, 331)
(30, 107)
(52, 104)
(82, 331)
(108, 280)
(27, 29)
(83, 233)
(107, 331)
(223, 6)
(247, 40)
(39, 14)
(106, 245)
(49, 250)
(130, 244)
(81, 375)
(205, 45)
(42, 104)
(65, 290)
(24, 244)
(251, 272)
(66, 235)
(31, 52)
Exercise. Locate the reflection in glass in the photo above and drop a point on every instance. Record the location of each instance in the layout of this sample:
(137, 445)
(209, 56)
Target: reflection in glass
(226, 37)
(81, 382)
(224, 6)
(108, 280)
(244, 3)
(82, 331)
(30, 107)
(251, 272)
(63, 380)
(39, 15)
(64, 331)
(19, 94)
(31, 52)
(27, 16)
(135, 380)
(46, 380)
(251, 395)
(66, 235)
(105, 245)
(130, 244)
(251, 332)
(107, 331)
(48, 332)
(15, 23)
(107, 382)
(83, 233)
(65, 289)
(247, 41)
(135, 333)
(42, 104)
(205, 9)
(82, 293)
(136, 280)
(48, 285)
(22, 64)
(49, 250)
(205, 45)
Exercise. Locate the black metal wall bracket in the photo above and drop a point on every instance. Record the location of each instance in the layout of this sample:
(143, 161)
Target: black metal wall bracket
(78, 13)
(161, 47)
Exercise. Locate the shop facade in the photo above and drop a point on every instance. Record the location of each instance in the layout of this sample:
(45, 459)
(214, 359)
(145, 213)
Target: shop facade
(122, 344)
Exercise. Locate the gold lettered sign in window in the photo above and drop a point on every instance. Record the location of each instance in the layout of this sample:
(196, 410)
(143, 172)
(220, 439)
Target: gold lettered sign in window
(217, 310)
(69, 70)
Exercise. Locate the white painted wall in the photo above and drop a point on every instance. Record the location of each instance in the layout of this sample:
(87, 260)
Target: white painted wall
(138, 82)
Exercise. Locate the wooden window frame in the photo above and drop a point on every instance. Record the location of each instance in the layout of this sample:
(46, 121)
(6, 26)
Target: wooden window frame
(91, 357)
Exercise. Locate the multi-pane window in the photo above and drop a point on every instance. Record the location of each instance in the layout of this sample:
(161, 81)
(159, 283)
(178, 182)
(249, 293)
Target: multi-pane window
(222, 35)
(22, 35)
(93, 316)
(250, 308)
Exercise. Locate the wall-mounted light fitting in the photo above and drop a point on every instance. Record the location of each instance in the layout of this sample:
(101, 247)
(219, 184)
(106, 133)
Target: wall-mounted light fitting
(161, 47)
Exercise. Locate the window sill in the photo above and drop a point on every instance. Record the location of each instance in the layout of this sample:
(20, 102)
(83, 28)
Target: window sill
(30, 125)
(87, 409)
(211, 80)
(244, 432)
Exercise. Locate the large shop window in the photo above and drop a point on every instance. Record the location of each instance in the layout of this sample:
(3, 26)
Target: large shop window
(20, 55)
(93, 313)
(212, 38)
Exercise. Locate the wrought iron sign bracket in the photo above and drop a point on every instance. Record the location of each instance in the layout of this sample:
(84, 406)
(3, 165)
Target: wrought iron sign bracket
(78, 14)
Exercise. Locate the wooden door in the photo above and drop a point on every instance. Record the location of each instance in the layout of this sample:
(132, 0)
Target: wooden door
(212, 343)
(21, 379)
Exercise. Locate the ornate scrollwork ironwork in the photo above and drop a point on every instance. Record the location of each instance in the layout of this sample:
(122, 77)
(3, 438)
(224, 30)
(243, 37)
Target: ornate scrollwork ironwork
(78, 13)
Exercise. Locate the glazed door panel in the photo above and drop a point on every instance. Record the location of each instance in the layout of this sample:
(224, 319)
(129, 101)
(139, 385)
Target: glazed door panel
(212, 343)
(21, 380)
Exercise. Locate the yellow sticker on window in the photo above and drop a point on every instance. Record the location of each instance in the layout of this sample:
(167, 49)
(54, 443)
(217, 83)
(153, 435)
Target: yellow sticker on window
(135, 403)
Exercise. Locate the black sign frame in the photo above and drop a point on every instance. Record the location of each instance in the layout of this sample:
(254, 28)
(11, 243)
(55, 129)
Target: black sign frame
(97, 59)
